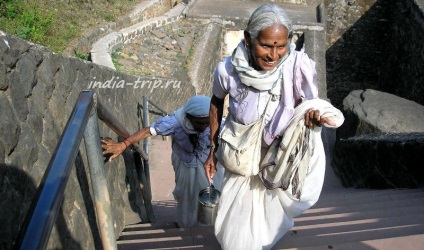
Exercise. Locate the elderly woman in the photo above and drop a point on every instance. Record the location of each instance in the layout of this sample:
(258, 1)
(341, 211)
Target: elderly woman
(271, 86)
(189, 128)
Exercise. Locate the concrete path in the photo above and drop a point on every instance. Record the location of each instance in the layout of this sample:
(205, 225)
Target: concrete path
(241, 10)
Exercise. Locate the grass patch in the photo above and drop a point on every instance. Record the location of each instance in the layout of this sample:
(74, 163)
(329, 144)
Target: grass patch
(55, 24)
(115, 57)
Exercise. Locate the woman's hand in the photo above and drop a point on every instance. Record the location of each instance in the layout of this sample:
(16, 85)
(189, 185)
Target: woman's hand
(210, 167)
(111, 147)
(313, 118)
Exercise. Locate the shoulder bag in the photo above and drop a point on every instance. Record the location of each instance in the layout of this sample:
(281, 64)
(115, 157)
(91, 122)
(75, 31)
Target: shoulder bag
(239, 149)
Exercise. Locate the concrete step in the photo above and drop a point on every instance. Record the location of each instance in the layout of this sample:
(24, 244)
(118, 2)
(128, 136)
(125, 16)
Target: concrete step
(149, 226)
(410, 242)
(148, 233)
(363, 206)
(352, 231)
(366, 194)
(356, 224)
(340, 221)
(359, 215)
(192, 238)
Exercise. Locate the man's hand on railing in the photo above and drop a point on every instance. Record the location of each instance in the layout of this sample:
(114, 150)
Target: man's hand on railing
(112, 148)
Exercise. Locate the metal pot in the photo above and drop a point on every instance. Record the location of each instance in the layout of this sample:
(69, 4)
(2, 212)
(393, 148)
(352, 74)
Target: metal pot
(208, 205)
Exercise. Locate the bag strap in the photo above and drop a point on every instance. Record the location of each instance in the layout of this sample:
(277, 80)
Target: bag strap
(268, 184)
(296, 70)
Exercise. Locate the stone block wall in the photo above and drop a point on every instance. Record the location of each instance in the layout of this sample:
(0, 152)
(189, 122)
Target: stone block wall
(375, 44)
(356, 37)
(381, 161)
(402, 73)
(38, 90)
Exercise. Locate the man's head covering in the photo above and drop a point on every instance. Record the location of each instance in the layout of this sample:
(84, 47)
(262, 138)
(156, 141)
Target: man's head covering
(198, 106)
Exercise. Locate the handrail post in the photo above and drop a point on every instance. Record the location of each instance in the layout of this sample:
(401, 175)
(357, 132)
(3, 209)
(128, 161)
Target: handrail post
(119, 129)
(146, 140)
(98, 180)
(146, 176)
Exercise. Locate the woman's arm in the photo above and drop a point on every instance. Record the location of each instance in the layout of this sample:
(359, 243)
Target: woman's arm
(116, 148)
(215, 118)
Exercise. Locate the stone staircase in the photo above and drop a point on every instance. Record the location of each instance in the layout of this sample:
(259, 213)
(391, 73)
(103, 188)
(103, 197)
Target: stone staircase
(343, 218)
(360, 219)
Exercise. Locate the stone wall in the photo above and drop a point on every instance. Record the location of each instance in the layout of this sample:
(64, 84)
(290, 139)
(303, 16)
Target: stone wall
(38, 90)
(380, 161)
(356, 36)
(402, 72)
(375, 44)
(381, 141)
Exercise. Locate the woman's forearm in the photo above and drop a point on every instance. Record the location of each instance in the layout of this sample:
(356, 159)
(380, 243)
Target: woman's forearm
(139, 135)
(215, 117)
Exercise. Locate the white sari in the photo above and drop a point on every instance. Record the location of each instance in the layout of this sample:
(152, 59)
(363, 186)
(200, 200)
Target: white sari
(253, 217)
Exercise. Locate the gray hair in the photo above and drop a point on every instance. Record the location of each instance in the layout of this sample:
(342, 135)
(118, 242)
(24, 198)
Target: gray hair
(265, 16)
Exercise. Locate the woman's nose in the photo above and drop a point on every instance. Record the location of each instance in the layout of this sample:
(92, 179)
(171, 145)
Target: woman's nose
(273, 54)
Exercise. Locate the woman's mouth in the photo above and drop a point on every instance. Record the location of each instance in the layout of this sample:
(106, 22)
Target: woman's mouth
(269, 63)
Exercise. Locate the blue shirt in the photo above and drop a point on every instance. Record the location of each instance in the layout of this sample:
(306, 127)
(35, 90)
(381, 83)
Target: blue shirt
(189, 152)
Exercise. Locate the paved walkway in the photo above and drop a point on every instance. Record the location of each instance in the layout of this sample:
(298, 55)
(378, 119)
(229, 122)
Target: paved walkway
(228, 9)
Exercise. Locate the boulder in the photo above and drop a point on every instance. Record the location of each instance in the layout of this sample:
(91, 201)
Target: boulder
(371, 111)
(381, 141)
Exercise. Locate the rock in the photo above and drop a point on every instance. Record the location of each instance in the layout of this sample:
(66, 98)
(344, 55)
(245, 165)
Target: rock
(372, 111)
(158, 34)
(3, 83)
(381, 141)
(168, 46)
(26, 151)
(9, 123)
(11, 50)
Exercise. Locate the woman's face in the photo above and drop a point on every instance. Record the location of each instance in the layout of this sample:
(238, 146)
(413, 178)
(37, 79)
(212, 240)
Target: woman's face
(268, 48)
(199, 123)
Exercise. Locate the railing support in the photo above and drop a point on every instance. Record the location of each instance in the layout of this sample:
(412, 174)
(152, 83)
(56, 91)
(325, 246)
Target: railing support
(98, 181)
(118, 128)
(146, 140)
(146, 167)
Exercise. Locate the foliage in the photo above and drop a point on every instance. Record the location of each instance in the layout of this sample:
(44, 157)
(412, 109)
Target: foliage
(57, 24)
(25, 20)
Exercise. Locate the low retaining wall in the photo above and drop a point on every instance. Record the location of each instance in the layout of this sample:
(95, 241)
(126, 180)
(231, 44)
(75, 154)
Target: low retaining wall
(103, 48)
(380, 161)
(147, 9)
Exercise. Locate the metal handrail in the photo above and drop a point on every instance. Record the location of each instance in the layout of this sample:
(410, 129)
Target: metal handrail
(143, 174)
(154, 104)
(116, 126)
(39, 222)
